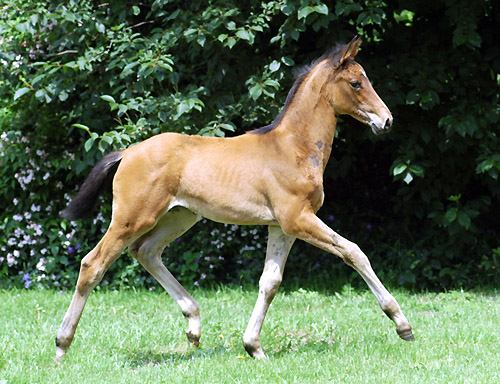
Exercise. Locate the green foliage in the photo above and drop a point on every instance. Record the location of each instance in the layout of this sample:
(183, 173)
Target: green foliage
(79, 79)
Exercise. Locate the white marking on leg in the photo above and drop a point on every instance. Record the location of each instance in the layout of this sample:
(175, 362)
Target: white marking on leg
(278, 247)
(148, 252)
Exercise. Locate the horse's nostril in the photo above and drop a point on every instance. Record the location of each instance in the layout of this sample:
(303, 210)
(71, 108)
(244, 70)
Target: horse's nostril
(388, 124)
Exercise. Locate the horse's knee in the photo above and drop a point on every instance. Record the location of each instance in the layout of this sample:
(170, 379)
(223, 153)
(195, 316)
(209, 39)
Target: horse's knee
(90, 275)
(354, 256)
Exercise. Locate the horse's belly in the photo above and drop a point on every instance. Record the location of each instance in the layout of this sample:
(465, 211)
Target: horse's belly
(234, 211)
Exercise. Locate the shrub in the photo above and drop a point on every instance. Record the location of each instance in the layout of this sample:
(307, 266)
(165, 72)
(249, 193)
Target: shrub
(82, 78)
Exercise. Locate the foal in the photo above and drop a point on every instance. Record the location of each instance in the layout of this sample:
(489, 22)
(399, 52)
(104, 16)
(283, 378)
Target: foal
(270, 176)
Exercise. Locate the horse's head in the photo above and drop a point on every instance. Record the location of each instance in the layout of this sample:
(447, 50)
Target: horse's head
(351, 93)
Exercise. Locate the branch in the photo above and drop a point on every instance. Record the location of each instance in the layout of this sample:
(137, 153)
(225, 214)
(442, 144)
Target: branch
(64, 52)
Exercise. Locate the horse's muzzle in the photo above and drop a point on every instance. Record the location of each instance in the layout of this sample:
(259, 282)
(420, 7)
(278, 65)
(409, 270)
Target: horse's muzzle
(379, 130)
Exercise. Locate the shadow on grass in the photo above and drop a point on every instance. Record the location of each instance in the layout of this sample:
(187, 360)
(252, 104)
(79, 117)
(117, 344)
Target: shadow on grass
(137, 359)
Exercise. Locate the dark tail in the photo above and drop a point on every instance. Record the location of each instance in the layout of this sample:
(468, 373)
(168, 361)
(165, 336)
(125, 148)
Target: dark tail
(86, 199)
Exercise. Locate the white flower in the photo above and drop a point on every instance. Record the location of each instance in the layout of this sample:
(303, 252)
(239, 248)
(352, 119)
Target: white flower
(41, 264)
(11, 260)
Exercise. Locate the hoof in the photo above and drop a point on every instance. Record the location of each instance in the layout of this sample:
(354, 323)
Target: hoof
(60, 353)
(194, 340)
(406, 334)
(256, 353)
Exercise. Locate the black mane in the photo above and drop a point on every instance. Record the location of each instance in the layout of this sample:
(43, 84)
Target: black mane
(300, 76)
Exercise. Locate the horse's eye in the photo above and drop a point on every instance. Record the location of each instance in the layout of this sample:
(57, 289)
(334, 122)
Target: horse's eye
(355, 84)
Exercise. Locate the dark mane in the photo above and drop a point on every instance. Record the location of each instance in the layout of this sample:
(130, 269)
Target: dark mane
(300, 75)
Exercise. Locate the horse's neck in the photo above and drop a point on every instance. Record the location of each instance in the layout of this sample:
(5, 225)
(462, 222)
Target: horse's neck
(309, 123)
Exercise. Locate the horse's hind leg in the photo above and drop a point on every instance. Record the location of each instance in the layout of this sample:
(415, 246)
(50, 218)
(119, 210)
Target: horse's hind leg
(148, 249)
(92, 269)
(278, 247)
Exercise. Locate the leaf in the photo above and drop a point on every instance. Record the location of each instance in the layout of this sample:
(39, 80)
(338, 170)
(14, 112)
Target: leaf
(451, 215)
(63, 95)
(463, 219)
(182, 108)
(243, 34)
(222, 37)
(287, 61)
(255, 91)
(417, 170)
(272, 83)
(100, 27)
(81, 126)
(408, 178)
(399, 169)
(228, 127)
(321, 8)
(108, 98)
(107, 138)
(275, 65)
(304, 12)
(20, 92)
(231, 42)
(201, 40)
(88, 144)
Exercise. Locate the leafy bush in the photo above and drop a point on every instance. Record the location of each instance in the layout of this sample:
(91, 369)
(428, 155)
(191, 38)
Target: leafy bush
(82, 78)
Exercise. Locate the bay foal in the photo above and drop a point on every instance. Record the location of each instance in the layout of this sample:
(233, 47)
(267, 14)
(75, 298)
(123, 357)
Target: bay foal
(271, 176)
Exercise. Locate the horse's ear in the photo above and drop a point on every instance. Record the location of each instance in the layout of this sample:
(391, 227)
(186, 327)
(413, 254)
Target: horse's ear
(349, 50)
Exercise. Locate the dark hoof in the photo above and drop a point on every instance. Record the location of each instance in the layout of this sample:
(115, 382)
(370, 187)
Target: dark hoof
(406, 334)
(194, 340)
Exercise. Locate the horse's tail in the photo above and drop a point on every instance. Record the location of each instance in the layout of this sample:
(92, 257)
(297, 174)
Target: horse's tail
(86, 199)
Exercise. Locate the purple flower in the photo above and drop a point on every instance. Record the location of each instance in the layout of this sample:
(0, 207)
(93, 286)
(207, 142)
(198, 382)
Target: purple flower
(369, 227)
(27, 281)
(178, 240)
(331, 218)
(77, 247)
(71, 250)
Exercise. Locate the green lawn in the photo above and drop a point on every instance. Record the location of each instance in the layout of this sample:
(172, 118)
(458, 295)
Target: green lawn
(310, 337)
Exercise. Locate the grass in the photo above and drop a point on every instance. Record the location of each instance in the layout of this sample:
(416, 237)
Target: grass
(309, 336)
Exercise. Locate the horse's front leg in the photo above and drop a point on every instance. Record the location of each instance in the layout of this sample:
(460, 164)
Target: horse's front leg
(278, 247)
(308, 227)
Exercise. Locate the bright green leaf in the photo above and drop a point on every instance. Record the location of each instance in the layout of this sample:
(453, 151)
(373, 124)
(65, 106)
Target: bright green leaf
(243, 34)
(399, 169)
(321, 8)
(20, 92)
(274, 66)
(304, 12)
(81, 126)
(108, 98)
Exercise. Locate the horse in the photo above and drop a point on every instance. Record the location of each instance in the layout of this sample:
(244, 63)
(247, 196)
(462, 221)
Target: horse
(269, 176)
